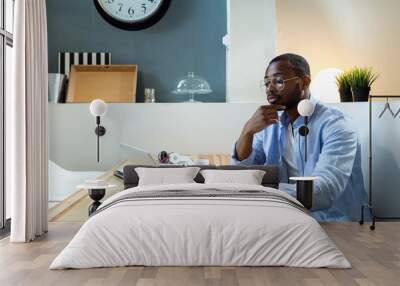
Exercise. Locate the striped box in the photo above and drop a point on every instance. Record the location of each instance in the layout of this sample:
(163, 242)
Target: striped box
(67, 59)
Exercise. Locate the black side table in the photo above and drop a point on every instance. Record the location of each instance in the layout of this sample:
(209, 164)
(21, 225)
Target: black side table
(304, 190)
(96, 193)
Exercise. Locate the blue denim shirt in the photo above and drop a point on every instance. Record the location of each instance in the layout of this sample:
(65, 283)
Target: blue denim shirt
(333, 154)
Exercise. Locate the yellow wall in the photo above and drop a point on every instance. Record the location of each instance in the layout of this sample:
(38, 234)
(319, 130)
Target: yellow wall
(342, 34)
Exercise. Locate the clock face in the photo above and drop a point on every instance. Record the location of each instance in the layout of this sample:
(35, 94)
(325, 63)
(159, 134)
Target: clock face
(132, 14)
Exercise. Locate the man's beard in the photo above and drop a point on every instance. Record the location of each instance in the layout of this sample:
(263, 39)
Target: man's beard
(296, 95)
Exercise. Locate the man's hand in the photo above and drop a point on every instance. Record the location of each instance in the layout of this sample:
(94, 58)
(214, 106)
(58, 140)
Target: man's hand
(263, 117)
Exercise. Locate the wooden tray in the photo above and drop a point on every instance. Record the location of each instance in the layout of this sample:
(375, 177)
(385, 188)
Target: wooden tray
(112, 83)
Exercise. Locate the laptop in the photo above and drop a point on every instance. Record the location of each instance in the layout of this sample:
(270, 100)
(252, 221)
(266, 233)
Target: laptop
(136, 156)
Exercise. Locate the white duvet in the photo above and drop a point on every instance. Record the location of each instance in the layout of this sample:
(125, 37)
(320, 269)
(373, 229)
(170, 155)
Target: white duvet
(200, 231)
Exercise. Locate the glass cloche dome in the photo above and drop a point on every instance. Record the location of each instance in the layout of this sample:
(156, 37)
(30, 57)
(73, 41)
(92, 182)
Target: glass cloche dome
(192, 85)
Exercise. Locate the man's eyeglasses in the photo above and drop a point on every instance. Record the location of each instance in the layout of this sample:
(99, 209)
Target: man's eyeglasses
(277, 82)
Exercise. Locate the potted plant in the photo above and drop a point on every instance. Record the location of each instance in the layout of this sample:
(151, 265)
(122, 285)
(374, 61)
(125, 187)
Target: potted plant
(361, 80)
(343, 83)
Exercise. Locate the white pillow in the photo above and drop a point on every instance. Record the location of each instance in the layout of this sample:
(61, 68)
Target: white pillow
(165, 176)
(248, 177)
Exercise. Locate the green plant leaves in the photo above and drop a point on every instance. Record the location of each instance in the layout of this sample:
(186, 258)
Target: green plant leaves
(343, 81)
(356, 77)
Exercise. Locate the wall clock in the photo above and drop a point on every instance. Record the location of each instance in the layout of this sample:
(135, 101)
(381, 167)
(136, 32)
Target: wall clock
(132, 14)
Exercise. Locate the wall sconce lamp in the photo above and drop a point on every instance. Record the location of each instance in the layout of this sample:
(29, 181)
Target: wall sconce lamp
(98, 108)
(305, 109)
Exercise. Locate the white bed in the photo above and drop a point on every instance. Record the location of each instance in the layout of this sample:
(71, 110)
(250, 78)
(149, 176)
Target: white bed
(202, 231)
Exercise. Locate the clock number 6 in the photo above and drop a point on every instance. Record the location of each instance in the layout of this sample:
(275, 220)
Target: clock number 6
(131, 12)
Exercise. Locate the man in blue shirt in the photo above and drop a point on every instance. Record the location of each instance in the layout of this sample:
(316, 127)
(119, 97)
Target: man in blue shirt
(271, 137)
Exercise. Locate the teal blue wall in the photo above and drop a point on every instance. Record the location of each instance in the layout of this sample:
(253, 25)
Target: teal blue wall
(187, 38)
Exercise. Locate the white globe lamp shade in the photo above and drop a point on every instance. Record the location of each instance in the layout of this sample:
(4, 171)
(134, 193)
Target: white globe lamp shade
(98, 107)
(323, 87)
(305, 107)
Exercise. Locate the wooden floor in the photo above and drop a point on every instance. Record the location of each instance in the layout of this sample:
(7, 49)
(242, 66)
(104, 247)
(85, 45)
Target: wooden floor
(375, 257)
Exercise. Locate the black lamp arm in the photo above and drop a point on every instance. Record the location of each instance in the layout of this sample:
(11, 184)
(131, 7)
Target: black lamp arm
(304, 132)
(99, 131)
(305, 138)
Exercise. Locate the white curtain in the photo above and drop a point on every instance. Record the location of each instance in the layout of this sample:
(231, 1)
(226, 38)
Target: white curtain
(27, 123)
